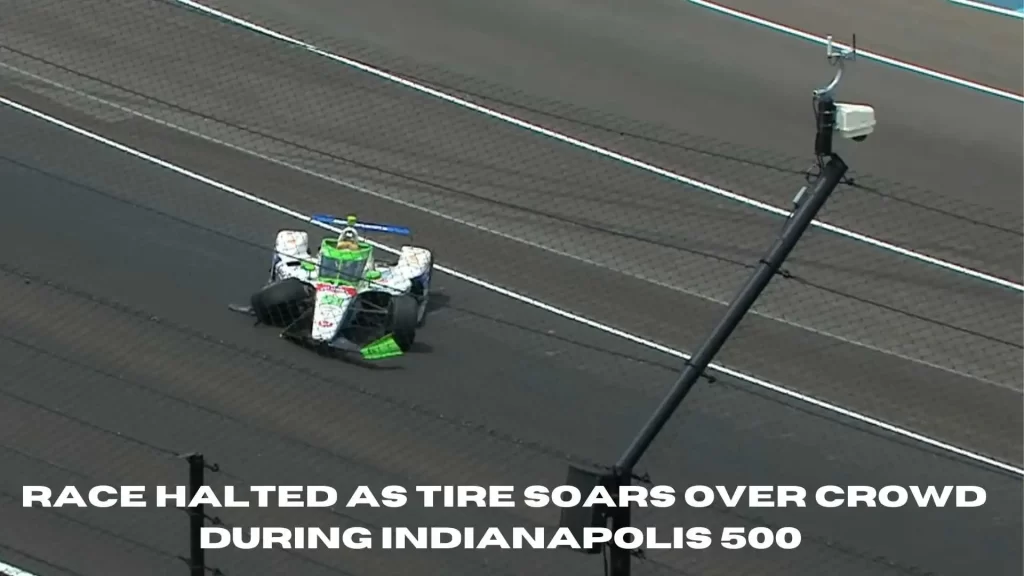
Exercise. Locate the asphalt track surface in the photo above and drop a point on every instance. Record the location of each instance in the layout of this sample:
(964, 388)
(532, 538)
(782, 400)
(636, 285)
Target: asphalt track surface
(683, 67)
(934, 39)
(115, 334)
(905, 342)
(522, 374)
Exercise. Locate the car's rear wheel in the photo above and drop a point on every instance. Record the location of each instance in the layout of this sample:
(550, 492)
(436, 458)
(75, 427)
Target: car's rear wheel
(282, 303)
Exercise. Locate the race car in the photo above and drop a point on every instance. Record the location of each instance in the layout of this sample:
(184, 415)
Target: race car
(344, 298)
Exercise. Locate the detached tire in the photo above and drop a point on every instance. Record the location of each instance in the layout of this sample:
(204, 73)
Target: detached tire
(282, 302)
(402, 321)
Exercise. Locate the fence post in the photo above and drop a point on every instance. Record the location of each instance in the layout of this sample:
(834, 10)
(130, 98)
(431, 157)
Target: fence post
(619, 559)
(197, 516)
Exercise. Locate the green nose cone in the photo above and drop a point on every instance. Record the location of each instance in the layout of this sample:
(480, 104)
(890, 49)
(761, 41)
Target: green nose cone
(386, 347)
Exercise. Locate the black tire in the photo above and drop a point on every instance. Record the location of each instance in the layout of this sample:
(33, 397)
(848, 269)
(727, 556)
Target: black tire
(402, 321)
(281, 303)
(419, 290)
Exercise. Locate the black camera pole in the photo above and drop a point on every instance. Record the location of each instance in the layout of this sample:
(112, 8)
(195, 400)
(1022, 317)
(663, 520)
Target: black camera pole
(831, 176)
(833, 169)
(827, 182)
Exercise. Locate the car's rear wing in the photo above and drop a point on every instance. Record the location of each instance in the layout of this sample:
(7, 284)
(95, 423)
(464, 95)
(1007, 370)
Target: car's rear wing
(351, 222)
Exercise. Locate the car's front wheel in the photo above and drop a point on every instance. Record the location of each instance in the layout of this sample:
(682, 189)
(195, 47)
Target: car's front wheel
(421, 291)
(402, 320)
(282, 303)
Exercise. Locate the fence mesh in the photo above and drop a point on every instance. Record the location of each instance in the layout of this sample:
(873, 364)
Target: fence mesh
(119, 353)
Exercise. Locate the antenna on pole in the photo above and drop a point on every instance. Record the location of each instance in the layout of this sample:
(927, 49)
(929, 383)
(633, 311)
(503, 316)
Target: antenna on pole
(836, 58)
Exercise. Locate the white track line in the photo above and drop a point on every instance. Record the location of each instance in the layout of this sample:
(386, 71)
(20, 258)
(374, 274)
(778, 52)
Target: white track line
(8, 570)
(938, 444)
(934, 74)
(977, 274)
(990, 8)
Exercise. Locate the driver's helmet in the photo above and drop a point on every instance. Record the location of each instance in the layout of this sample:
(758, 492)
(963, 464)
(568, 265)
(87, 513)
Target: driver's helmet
(348, 241)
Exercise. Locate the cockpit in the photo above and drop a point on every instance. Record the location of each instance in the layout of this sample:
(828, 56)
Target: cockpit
(341, 270)
(343, 259)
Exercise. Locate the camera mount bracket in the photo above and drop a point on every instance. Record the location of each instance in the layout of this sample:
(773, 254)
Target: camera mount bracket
(824, 104)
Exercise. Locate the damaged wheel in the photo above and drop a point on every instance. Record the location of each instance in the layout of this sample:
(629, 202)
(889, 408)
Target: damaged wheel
(282, 303)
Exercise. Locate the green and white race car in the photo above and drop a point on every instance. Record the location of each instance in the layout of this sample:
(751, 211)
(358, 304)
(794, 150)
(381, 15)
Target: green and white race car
(344, 298)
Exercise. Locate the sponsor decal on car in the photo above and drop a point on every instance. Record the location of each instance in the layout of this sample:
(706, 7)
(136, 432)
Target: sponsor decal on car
(334, 295)
(336, 289)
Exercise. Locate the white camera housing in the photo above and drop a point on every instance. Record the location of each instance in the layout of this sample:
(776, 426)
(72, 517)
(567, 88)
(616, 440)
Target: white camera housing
(855, 121)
